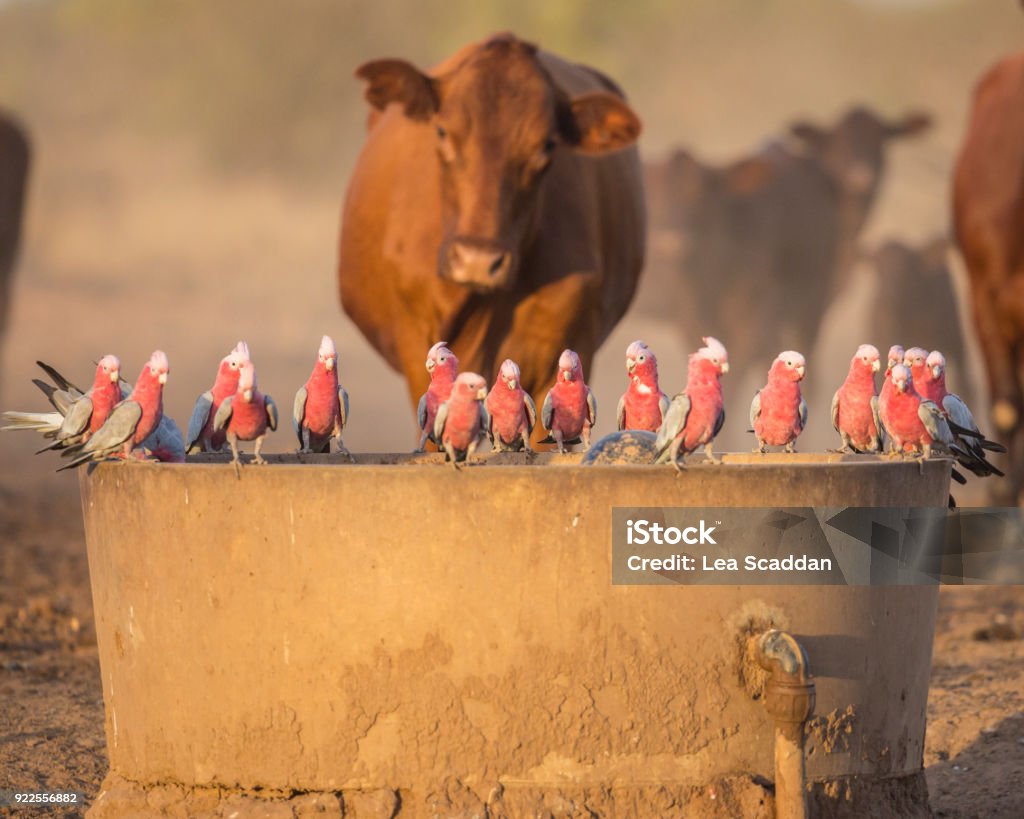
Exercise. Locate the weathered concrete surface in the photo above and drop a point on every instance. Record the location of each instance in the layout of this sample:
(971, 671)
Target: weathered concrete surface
(453, 636)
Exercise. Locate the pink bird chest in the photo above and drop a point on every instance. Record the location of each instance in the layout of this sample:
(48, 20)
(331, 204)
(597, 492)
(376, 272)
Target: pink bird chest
(569, 407)
(779, 421)
(643, 407)
(508, 413)
(248, 418)
(463, 424)
(323, 410)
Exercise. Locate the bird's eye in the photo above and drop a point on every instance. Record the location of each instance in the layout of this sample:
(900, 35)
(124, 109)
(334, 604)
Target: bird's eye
(789, 363)
(234, 365)
(442, 359)
(641, 357)
(441, 132)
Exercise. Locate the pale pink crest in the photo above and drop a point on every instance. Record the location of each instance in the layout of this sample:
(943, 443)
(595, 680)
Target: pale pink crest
(158, 364)
(633, 350)
(900, 376)
(246, 377)
(713, 350)
(569, 365)
(868, 352)
(896, 353)
(913, 354)
(327, 348)
(510, 372)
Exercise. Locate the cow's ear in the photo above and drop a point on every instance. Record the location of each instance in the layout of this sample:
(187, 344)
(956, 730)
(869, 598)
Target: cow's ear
(600, 122)
(810, 135)
(397, 81)
(915, 122)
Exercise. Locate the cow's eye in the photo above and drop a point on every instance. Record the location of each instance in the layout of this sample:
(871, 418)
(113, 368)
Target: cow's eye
(441, 132)
(550, 144)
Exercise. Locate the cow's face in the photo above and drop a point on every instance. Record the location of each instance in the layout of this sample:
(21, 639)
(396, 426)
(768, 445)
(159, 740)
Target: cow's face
(853, 154)
(497, 122)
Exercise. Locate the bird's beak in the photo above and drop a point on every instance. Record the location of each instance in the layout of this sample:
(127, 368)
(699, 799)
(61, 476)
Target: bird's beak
(800, 370)
(114, 375)
(630, 365)
(936, 371)
(163, 378)
(247, 395)
(876, 366)
(329, 364)
(481, 393)
(566, 374)
(430, 365)
(725, 367)
(510, 383)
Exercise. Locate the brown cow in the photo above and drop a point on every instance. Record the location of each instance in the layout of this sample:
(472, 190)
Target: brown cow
(759, 248)
(497, 205)
(988, 218)
(14, 160)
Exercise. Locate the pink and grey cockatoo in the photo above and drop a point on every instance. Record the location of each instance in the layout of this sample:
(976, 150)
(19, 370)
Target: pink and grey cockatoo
(914, 360)
(570, 409)
(78, 415)
(643, 405)
(695, 415)
(959, 417)
(855, 404)
(894, 357)
(511, 411)
(461, 422)
(914, 423)
(443, 367)
(130, 422)
(778, 413)
(321, 405)
(246, 415)
(201, 435)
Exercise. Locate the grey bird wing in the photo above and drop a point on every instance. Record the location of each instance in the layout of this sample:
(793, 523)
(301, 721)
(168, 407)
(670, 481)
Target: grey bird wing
(547, 412)
(719, 422)
(200, 415)
(663, 405)
(439, 421)
(531, 412)
(620, 413)
(674, 423)
(931, 417)
(343, 405)
(58, 379)
(271, 409)
(299, 411)
(755, 408)
(77, 419)
(959, 413)
(591, 407)
(879, 426)
(220, 420)
(803, 412)
(421, 411)
(118, 428)
(835, 411)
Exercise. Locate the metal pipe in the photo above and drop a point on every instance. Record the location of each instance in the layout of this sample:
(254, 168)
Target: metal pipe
(789, 700)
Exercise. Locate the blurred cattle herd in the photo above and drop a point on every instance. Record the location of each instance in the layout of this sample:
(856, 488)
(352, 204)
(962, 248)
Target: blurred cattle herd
(753, 252)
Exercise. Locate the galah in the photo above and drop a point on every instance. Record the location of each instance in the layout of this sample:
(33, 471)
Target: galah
(201, 435)
(246, 415)
(570, 409)
(461, 422)
(960, 418)
(894, 357)
(643, 405)
(78, 414)
(914, 360)
(130, 422)
(778, 413)
(855, 404)
(511, 411)
(914, 423)
(695, 415)
(320, 411)
(443, 367)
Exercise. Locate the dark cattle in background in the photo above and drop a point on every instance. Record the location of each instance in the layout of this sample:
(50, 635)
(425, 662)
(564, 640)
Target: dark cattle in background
(14, 161)
(754, 252)
(988, 217)
(915, 305)
(497, 205)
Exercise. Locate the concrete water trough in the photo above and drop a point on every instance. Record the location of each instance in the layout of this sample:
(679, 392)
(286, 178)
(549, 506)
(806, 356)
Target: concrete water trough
(395, 637)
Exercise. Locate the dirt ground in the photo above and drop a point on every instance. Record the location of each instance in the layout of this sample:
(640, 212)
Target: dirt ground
(51, 723)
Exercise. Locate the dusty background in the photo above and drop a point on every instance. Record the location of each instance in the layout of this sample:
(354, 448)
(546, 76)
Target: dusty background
(190, 160)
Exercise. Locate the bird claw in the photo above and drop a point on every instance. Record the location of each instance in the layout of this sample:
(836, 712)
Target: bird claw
(238, 468)
(259, 459)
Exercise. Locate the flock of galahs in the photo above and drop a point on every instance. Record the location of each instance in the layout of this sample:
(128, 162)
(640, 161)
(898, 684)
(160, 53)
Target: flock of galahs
(115, 419)
(913, 413)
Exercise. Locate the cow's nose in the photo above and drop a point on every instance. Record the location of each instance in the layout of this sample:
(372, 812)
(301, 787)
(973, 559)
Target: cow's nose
(478, 264)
